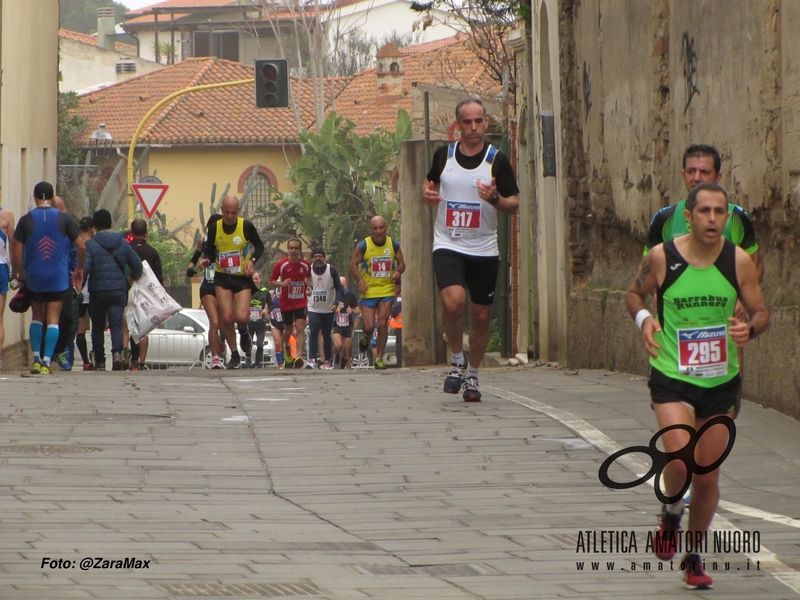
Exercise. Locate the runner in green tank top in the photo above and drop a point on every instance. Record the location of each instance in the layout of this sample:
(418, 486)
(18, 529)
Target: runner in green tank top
(694, 371)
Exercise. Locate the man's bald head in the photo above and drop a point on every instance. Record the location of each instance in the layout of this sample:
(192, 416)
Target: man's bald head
(58, 203)
(139, 228)
(230, 209)
(377, 230)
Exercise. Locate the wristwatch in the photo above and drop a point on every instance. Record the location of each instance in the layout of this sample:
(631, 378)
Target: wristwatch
(495, 199)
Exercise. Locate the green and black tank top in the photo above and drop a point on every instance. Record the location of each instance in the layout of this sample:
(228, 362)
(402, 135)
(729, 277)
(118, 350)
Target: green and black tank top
(694, 304)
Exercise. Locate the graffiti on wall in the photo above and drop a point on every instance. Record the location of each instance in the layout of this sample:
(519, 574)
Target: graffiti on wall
(587, 90)
(689, 59)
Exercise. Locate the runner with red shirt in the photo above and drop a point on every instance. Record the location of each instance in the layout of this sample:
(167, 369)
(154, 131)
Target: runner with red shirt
(293, 276)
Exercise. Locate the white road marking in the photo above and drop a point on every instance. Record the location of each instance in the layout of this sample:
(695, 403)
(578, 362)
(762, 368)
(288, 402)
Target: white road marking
(769, 562)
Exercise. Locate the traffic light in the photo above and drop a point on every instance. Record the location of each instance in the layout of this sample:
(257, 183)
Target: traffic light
(272, 83)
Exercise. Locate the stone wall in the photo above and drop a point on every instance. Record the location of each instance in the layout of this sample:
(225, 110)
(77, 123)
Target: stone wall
(640, 82)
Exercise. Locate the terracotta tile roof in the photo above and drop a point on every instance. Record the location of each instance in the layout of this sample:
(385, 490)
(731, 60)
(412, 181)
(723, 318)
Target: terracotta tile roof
(228, 115)
(219, 116)
(136, 17)
(445, 63)
(92, 40)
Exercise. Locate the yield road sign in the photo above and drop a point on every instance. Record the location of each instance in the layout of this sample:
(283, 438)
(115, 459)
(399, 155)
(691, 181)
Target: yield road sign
(149, 196)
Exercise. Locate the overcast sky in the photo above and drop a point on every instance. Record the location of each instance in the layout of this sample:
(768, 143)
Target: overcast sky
(134, 4)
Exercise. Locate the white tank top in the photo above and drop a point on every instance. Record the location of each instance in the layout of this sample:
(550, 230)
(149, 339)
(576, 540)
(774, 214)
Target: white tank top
(465, 223)
(322, 292)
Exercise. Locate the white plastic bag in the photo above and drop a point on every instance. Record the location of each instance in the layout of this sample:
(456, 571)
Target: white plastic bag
(149, 304)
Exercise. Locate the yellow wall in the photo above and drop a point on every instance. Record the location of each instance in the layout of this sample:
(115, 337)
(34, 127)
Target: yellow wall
(30, 124)
(191, 173)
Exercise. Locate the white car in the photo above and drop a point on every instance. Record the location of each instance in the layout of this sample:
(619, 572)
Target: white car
(183, 340)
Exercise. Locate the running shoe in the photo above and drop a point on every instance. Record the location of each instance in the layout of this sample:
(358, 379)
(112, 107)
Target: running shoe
(235, 361)
(246, 342)
(248, 364)
(63, 361)
(694, 575)
(470, 391)
(454, 379)
(116, 362)
(100, 367)
(327, 365)
(298, 363)
(666, 538)
(45, 370)
(363, 343)
(379, 364)
(216, 363)
(88, 367)
(36, 368)
(134, 366)
(281, 367)
(288, 361)
(143, 367)
(312, 363)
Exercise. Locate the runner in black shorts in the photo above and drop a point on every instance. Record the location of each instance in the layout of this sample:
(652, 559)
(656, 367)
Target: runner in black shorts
(469, 182)
(208, 300)
(234, 246)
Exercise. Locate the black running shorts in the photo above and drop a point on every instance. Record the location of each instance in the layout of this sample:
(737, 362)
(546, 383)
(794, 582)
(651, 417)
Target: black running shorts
(478, 274)
(707, 402)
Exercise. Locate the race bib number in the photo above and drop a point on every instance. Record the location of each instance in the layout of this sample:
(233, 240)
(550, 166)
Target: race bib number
(381, 266)
(342, 320)
(276, 315)
(297, 290)
(463, 219)
(230, 262)
(319, 297)
(209, 273)
(255, 313)
(703, 351)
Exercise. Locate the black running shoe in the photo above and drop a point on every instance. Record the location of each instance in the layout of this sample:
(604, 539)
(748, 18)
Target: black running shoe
(665, 540)
(363, 342)
(234, 362)
(454, 379)
(471, 393)
(246, 342)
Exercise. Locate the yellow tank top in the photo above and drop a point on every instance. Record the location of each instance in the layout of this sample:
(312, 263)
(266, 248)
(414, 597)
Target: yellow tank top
(233, 251)
(376, 269)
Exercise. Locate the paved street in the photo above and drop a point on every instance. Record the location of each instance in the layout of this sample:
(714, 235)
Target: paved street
(361, 485)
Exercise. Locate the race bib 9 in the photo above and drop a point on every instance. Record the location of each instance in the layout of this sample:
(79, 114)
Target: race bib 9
(230, 262)
(463, 219)
(703, 351)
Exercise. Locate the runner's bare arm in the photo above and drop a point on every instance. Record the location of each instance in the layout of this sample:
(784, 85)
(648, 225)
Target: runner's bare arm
(400, 265)
(651, 271)
(355, 261)
(751, 298)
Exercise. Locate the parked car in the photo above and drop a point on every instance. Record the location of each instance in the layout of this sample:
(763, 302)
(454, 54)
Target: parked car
(183, 340)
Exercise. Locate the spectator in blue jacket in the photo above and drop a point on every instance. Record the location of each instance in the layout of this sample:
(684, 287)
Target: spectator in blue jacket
(109, 263)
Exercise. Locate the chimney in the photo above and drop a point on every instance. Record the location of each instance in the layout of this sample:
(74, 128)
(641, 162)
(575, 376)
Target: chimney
(389, 70)
(106, 33)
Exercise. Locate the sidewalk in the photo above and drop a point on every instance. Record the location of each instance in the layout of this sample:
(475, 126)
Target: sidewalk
(351, 485)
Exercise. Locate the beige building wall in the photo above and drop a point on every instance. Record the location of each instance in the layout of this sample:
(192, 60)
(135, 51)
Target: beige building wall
(28, 117)
(84, 66)
(191, 174)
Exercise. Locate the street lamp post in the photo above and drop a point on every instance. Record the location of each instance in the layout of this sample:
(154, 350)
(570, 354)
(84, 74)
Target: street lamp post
(101, 141)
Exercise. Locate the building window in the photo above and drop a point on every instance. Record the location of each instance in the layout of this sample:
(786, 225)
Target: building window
(260, 196)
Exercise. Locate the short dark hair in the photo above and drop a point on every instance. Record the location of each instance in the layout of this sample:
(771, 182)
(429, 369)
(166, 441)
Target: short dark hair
(139, 227)
(102, 219)
(477, 101)
(699, 150)
(86, 223)
(294, 239)
(691, 201)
